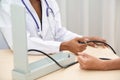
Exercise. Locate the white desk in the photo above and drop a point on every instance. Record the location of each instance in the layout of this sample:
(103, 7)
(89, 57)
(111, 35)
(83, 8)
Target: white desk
(71, 73)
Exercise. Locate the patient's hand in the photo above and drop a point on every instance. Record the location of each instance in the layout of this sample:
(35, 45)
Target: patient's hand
(89, 62)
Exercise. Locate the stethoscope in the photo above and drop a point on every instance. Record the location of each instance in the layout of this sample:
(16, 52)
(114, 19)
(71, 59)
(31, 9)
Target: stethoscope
(48, 11)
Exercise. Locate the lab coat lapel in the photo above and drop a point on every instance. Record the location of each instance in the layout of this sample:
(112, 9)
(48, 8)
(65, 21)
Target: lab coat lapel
(45, 24)
(34, 13)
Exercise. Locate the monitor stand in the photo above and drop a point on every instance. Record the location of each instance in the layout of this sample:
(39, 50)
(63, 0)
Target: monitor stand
(22, 69)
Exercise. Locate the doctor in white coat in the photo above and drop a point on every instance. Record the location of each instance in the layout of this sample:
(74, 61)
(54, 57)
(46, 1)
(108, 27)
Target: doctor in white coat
(44, 29)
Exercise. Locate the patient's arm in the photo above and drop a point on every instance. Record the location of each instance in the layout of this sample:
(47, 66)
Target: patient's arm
(92, 63)
(112, 64)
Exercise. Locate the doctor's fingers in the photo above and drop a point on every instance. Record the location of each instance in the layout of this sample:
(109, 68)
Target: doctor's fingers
(94, 44)
(95, 38)
(91, 44)
(101, 45)
(79, 40)
(82, 47)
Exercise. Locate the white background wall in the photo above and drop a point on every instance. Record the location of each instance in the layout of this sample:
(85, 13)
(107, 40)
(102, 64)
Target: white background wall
(93, 18)
(62, 5)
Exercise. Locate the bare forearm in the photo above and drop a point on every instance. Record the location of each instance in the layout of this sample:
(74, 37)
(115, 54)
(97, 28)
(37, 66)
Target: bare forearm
(112, 64)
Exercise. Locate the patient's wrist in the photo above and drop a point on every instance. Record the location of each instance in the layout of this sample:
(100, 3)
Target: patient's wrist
(107, 65)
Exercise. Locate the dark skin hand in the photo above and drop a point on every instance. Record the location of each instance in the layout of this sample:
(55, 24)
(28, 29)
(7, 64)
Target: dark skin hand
(95, 38)
(73, 45)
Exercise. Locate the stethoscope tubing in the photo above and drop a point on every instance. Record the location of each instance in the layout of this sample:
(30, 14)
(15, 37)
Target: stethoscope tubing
(48, 8)
(47, 13)
(31, 14)
(94, 41)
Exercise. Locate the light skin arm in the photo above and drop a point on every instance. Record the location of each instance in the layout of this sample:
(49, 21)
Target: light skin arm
(89, 62)
(113, 64)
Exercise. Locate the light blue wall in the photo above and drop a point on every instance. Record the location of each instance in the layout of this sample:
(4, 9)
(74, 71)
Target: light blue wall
(3, 43)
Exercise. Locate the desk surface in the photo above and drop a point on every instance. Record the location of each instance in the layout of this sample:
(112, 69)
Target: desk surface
(71, 73)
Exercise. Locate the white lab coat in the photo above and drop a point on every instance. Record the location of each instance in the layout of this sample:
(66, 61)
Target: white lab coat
(52, 34)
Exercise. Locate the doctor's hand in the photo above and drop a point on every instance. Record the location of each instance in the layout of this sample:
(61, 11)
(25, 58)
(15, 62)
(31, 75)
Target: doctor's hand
(73, 45)
(89, 62)
(94, 38)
